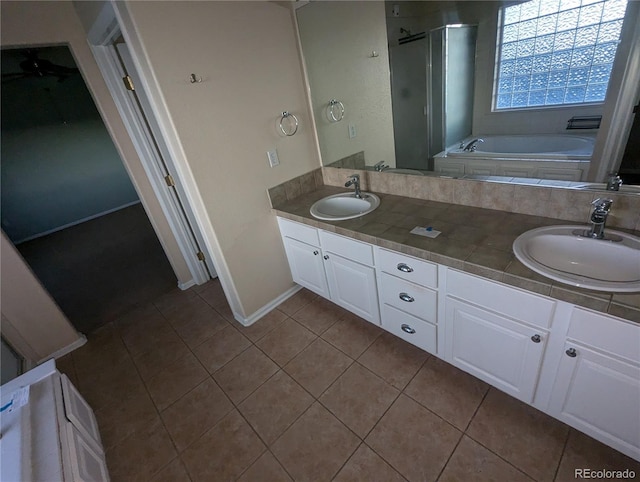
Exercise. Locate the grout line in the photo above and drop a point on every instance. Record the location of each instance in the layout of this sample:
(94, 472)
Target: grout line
(475, 412)
(564, 449)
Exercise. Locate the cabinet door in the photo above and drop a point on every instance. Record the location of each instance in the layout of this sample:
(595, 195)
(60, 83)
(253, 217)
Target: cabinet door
(87, 464)
(353, 286)
(498, 350)
(307, 268)
(79, 413)
(599, 395)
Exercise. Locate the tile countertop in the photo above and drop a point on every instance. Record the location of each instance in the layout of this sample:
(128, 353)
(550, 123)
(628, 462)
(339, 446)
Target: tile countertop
(474, 240)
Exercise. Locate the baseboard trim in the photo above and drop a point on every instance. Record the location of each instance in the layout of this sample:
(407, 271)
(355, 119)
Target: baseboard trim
(251, 319)
(75, 223)
(66, 350)
(187, 284)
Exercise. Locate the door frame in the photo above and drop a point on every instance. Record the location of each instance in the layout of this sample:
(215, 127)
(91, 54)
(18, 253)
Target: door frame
(112, 21)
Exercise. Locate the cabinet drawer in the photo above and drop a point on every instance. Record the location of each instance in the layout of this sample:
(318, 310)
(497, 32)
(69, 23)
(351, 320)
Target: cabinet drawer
(407, 267)
(409, 328)
(347, 247)
(605, 333)
(512, 302)
(409, 297)
(301, 232)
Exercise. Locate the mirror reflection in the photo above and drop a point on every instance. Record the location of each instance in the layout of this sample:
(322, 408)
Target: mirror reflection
(479, 89)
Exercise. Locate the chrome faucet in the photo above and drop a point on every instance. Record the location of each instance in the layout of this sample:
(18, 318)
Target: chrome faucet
(614, 182)
(472, 145)
(354, 180)
(599, 218)
(380, 166)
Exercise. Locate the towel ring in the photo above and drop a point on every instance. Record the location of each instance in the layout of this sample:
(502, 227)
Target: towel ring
(335, 110)
(292, 127)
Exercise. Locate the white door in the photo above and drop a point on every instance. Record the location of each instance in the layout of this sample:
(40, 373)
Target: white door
(160, 156)
(498, 350)
(307, 268)
(353, 286)
(599, 395)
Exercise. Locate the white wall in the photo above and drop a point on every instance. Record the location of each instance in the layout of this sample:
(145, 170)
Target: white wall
(247, 56)
(337, 40)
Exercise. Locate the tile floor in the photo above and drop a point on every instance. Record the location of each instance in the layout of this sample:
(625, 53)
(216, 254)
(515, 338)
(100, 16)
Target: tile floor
(310, 392)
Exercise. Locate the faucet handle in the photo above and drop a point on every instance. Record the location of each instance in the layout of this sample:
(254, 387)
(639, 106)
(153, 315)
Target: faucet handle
(602, 204)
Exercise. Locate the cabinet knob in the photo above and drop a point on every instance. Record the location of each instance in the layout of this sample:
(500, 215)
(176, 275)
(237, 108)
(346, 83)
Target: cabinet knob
(405, 268)
(316, 253)
(326, 256)
(536, 338)
(406, 297)
(571, 352)
(408, 329)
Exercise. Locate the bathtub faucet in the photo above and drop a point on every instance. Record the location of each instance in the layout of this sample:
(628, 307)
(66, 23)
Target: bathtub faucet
(380, 166)
(473, 145)
(614, 182)
(354, 180)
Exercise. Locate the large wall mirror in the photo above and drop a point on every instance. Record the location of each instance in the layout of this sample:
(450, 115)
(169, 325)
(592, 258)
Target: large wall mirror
(474, 89)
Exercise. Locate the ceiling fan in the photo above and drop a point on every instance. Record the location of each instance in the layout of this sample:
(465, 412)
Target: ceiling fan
(34, 66)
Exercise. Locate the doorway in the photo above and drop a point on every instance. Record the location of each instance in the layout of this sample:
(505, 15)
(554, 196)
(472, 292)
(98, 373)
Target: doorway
(67, 201)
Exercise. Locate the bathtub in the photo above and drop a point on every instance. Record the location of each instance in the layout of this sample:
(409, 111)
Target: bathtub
(562, 157)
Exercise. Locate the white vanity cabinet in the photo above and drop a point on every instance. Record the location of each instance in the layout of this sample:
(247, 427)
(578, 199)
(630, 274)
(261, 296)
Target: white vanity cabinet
(408, 298)
(597, 383)
(496, 332)
(333, 266)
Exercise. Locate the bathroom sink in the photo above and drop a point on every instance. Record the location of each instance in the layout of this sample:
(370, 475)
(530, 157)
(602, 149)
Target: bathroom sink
(557, 252)
(339, 207)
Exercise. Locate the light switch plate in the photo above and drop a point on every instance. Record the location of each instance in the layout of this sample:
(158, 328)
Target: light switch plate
(273, 158)
(352, 131)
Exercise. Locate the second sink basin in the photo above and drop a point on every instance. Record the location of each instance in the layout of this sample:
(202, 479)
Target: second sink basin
(598, 264)
(344, 206)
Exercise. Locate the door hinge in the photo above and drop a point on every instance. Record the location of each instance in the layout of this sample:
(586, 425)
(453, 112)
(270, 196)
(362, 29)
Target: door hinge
(128, 82)
(200, 255)
(169, 180)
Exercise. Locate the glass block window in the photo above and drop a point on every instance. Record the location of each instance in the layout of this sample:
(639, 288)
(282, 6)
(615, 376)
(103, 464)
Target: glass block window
(554, 52)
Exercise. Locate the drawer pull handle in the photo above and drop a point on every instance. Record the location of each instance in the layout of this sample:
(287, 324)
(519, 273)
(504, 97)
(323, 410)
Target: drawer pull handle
(406, 297)
(571, 352)
(326, 256)
(316, 253)
(405, 268)
(408, 329)
(536, 338)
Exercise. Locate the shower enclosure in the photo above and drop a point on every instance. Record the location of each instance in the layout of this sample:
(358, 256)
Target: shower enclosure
(432, 78)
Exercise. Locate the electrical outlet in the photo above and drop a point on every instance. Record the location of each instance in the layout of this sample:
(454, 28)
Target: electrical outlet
(273, 158)
(396, 10)
(352, 131)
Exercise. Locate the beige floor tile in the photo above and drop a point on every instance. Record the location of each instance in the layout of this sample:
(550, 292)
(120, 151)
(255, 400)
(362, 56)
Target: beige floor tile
(141, 455)
(65, 365)
(226, 312)
(413, 440)
(297, 301)
(141, 337)
(519, 434)
(213, 294)
(367, 466)
(173, 472)
(263, 326)
(225, 451)
(319, 315)
(317, 366)
(221, 348)
(161, 356)
(583, 452)
(352, 335)
(106, 386)
(172, 383)
(359, 398)
(245, 373)
(103, 348)
(286, 341)
(316, 446)
(173, 299)
(265, 469)
(471, 462)
(273, 407)
(447, 391)
(196, 322)
(393, 359)
(119, 420)
(195, 413)
(132, 319)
